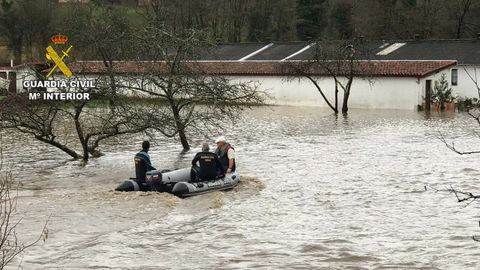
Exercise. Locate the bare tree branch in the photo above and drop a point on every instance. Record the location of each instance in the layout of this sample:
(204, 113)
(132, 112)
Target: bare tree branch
(452, 147)
(10, 246)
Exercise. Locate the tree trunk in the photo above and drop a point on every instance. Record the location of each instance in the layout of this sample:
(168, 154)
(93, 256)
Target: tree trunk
(62, 147)
(346, 90)
(183, 139)
(345, 102)
(179, 125)
(335, 109)
(336, 97)
(80, 133)
(346, 95)
(93, 148)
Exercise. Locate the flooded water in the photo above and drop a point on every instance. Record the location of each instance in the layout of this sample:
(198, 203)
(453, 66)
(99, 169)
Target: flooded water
(317, 193)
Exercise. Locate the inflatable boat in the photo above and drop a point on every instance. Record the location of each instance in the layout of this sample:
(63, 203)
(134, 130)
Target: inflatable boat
(178, 183)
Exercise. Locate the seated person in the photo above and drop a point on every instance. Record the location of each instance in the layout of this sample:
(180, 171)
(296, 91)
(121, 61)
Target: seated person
(142, 163)
(226, 154)
(210, 167)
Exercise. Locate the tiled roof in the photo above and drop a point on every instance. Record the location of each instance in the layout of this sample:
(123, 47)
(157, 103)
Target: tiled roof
(270, 68)
(10, 68)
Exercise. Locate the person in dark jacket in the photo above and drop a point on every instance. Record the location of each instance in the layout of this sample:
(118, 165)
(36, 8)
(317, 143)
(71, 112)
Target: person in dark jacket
(210, 167)
(142, 162)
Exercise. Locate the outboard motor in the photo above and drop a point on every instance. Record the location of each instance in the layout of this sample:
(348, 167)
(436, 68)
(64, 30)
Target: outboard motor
(164, 180)
(160, 181)
(154, 180)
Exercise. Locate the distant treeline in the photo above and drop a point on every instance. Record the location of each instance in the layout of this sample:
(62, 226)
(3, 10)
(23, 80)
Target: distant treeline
(26, 25)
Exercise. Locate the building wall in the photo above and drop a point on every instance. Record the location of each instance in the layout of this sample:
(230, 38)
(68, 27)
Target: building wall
(403, 93)
(377, 93)
(24, 74)
(466, 87)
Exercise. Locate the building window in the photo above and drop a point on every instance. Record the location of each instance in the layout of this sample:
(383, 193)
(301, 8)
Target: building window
(454, 76)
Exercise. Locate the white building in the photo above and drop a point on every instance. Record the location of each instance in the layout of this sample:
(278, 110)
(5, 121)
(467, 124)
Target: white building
(465, 52)
(389, 85)
(394, 90)
(399, 80)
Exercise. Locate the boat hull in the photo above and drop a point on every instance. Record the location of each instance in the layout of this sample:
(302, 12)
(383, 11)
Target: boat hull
(178, 183)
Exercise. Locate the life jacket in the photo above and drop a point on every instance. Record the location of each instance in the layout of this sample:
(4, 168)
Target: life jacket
(222, 155)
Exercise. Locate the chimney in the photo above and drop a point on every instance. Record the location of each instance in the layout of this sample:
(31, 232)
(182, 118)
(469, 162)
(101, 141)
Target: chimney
(11, 62)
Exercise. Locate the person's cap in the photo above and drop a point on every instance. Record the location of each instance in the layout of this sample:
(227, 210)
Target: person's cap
(220, 139)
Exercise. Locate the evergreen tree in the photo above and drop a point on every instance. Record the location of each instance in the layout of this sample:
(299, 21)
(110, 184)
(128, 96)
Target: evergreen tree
(442, 92)
(259, 26)
(341, 20)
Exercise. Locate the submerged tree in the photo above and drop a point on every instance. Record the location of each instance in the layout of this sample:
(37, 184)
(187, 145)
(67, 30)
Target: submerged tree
(197, 99)
(167, 90)
(337, 60)
(77, 127)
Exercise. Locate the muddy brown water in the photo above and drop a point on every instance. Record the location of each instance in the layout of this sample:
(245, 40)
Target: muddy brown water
(317, 193)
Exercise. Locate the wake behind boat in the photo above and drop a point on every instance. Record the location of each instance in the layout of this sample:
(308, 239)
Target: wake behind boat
(178, 183)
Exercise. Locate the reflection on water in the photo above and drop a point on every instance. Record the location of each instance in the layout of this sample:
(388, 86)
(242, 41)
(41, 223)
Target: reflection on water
(318, 192)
